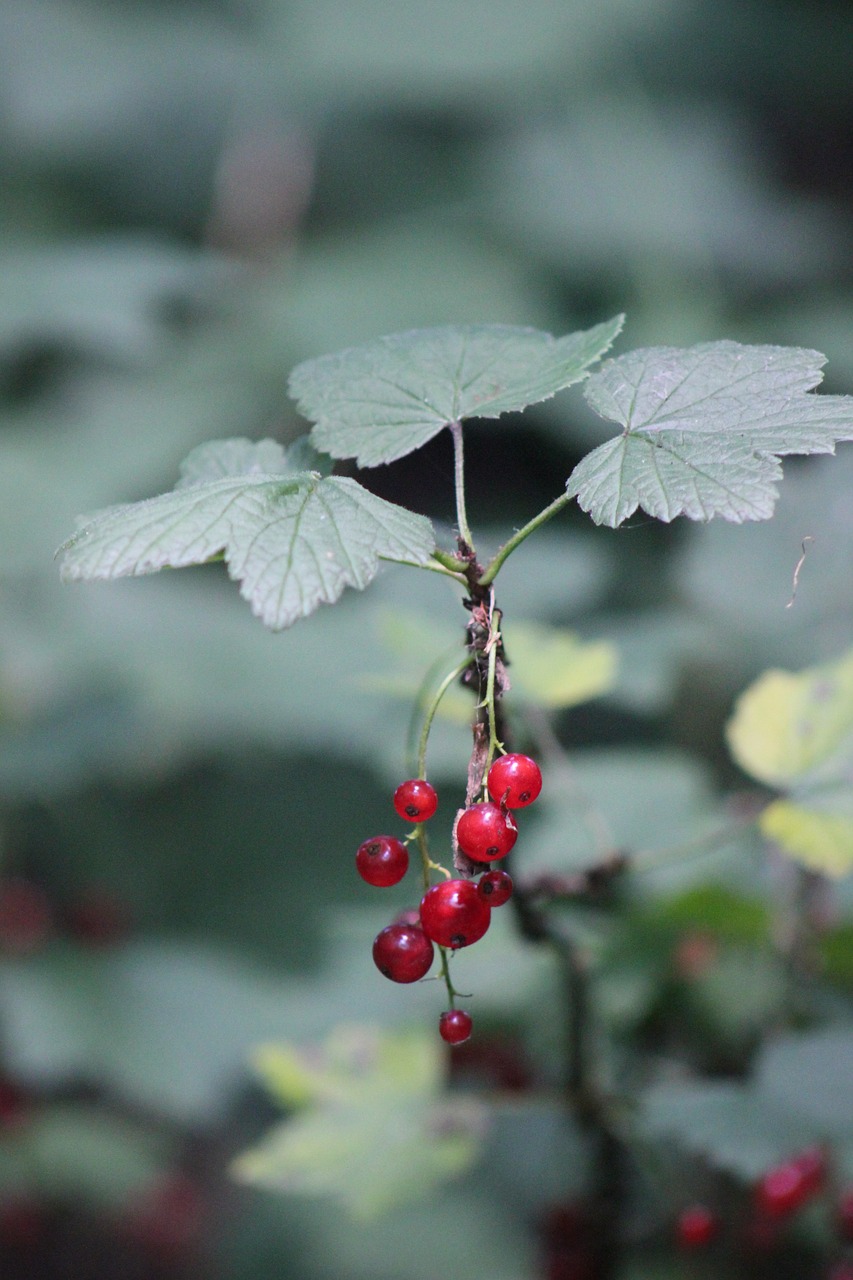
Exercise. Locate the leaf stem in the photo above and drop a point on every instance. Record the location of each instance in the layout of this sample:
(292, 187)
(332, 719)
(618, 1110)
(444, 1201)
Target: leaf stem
(491, 570)
(459, 481)
(450, 561)
(436, 564)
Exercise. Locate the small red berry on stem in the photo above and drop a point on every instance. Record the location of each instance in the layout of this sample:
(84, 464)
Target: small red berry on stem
(454, 914)
(514, 780)
(696, 1227)
(484, 832)
(454, 1026)
(415, 800)
(495, 887)
(403, 952)
(382, 861)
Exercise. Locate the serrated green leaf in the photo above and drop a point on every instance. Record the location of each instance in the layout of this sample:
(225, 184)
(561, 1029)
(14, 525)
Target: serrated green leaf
(726, 1123)
(821, 841)
(702, 430)
(801, 1093)
(380, 401)
(378, 1135)
(293, 539)
(786, 724)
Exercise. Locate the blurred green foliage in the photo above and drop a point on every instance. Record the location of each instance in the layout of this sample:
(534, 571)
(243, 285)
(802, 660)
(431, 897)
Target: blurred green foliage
(195, 197)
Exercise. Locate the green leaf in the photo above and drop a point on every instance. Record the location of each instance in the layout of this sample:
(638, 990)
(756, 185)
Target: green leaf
(702, 430)
(380, 401)
(553, 667)
(377, 1134)
(77, 1151)
(293, 539)
(821, 841)
(801, 1093)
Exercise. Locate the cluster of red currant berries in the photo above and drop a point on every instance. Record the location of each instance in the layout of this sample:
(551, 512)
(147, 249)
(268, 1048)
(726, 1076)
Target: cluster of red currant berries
(780, 1193)
(457, 912)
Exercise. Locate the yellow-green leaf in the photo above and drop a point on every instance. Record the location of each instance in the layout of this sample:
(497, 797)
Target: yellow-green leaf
(374, 1130)
(787, 724)
(820, 841)
(554, 668)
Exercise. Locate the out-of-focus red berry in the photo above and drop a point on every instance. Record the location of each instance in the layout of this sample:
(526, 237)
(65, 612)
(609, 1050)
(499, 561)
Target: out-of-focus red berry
(696, 1227)
(786, 1187)
(26, 919)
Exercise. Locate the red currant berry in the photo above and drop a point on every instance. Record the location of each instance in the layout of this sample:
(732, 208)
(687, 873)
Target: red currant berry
(514, 780)
(26, 918)
(453, 914)
(415, 800)
(382, 861)
(844, 1215)
(696, 1227)
(410, 915)
(783, 1190)
(484, 832)
(402, 952)
(454, 1026)
(495, 887)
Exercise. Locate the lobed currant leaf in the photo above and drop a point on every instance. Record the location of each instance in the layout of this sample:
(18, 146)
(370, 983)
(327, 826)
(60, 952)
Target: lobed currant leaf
(382, 400)
(704, 428)
(293, 538)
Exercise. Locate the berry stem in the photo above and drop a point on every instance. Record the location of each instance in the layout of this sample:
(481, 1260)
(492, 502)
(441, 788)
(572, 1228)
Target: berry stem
(445, 973)
(488, 576)
(459, 481)
(433, 707)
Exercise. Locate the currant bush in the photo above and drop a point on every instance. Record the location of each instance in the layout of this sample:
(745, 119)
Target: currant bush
(454, 1026)
(403, 952)
(484, 832)
(415, 800)
(382, 861)
(453, 913)
(514, 780)
(495, 887)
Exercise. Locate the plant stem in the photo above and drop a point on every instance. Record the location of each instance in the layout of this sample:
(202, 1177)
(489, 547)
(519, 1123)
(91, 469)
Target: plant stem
(459, 481)
(489, 700)
(491, 570)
